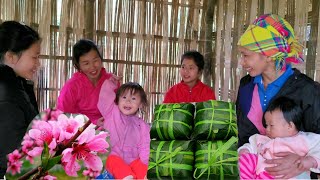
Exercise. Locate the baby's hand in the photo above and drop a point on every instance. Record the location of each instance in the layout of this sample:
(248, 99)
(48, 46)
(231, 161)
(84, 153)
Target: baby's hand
(115, 79)
(243, 151)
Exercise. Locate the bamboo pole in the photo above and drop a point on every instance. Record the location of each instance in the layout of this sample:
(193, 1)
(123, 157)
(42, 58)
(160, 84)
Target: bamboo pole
(89, 19)
(209, 70)
(312, 46)
(267, 6)
(253, 10)
(282, 8)
(239, 21)
(219, 47)
(228, 49)
(300, 27)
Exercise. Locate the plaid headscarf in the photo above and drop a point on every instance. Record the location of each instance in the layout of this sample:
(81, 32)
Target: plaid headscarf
(273, 36)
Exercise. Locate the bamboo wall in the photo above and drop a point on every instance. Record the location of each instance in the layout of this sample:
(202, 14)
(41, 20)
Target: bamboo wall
(142, 40)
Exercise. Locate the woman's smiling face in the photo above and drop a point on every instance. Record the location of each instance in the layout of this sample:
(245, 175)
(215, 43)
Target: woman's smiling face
(189, 72)
(253, 62)
(90, 64)
(27, 63)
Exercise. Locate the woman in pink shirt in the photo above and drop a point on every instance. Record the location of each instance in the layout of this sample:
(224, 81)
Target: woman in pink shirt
(129, 134)
(283, 120)
(80, 93)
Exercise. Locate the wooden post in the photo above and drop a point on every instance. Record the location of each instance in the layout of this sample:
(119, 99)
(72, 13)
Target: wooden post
(209, 68)
(89, 21)
(313, 42)
(218, 48)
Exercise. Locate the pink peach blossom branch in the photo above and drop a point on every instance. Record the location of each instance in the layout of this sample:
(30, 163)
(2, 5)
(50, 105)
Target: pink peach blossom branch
(60, 148)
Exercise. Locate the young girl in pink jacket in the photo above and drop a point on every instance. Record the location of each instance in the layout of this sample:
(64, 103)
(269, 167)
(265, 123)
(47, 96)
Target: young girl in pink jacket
(283, 120)
(129, 134)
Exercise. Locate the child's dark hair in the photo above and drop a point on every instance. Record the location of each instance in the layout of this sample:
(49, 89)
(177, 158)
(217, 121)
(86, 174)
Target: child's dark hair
(133, 88)
(196, 56)
(83, 46)
(16, 37)
(292, 112)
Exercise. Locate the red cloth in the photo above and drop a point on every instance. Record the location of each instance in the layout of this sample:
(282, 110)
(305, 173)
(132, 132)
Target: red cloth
(119, 169)
(181, 93)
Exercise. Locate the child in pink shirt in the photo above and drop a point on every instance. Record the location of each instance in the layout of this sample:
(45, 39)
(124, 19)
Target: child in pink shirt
(129, 134)
(283, 120)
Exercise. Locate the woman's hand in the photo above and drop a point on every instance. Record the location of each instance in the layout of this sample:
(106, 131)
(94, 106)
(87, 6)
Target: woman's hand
(286, 166)
(305, 163)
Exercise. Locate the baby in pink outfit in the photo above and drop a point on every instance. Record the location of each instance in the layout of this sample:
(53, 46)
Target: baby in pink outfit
(283, 122)
(129, 133)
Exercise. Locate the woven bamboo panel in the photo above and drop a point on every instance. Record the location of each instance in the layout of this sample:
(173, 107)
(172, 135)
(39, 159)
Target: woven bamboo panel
(143, 40)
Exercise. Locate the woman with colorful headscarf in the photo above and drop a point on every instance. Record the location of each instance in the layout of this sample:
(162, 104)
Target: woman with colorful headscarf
(268, 47)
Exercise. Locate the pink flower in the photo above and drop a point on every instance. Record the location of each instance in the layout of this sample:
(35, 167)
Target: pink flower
(43, 132)
(36, 151)
(14, 156)
(68, 126)
(27, 144)
(85, 149)
(55, 113)
(59, 131)
(14, 167)
(50, 114)
(90, 173)
(48, 177)
(69, 163)
(30, 159)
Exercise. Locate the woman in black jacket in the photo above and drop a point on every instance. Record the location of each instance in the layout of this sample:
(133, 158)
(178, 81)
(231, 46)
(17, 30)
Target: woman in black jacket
(268, 47)
(19, 60)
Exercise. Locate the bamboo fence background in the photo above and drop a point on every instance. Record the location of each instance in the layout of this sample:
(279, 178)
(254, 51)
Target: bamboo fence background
(142, 40)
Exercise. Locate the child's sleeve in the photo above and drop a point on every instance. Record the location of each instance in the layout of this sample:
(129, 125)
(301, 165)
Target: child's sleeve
(313, 141)
(252, 145)
(144, 150)
(106, 103)
(67, 100)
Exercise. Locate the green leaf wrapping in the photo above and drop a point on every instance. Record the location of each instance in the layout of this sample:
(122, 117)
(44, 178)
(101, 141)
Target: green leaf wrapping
(171, 159)
(216, 160)
(172, 121)
(215, 120)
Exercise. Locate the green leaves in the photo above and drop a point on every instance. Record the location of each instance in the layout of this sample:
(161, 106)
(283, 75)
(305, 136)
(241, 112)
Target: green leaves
(48, 162)
(53, 161)
(45, 155)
